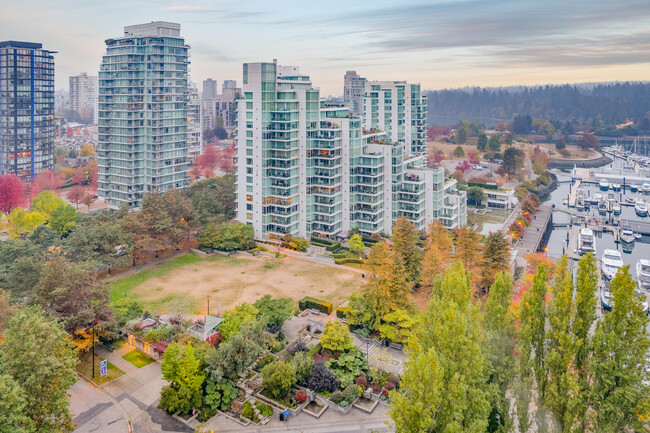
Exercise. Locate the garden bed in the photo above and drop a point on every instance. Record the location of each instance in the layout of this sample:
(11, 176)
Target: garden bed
(316, 407)
(366, 404)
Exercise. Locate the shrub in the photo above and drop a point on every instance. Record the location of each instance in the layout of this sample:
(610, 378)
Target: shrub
(351, 393)
(347, 261)
(300, 346)
(264, 361)
(303, 366)
(322, 379)
(394, 378)
(278, 378)
(264, 409)
(247, 410)
(389, 386)
(336, 337)
(362, 382)
(311, 303)
(314, 350)
(300, 396)
(337, 397)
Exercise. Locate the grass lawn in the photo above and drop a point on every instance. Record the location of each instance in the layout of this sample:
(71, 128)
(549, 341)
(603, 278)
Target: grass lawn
(85, 367)
(182, 285)
(123, 286)
(137, 358)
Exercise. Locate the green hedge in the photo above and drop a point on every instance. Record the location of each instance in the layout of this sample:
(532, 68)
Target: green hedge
(333, 248)
(484, 185)
(316, 304)
(338, 255)
(325, 242)
(339, 313)
(347, 261)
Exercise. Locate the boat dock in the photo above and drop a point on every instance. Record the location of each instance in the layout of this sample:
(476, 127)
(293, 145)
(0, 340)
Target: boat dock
(537, 233)
(574, 193)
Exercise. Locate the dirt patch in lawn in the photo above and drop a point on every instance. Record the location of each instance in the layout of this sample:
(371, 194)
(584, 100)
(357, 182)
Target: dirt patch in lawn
(230, 281)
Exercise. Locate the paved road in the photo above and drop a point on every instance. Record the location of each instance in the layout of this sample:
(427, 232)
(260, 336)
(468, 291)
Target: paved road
(94, 411)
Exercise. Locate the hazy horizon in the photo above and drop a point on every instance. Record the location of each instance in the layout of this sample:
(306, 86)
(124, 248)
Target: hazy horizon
(440, 44)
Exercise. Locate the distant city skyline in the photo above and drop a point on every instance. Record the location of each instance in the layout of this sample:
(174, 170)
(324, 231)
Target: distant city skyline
(440, 43)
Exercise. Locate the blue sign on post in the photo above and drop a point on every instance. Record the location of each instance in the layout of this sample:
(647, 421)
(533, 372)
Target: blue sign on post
(103, 366)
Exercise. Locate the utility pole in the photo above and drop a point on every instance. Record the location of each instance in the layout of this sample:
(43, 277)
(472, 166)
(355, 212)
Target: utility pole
(93, 350)
(208, 305)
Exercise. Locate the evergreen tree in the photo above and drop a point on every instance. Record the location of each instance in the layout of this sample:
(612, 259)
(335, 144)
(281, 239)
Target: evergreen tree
(496, 257)
(482, 141)
(444, 386)
(493, 143)
(405, 244)
(619, 397)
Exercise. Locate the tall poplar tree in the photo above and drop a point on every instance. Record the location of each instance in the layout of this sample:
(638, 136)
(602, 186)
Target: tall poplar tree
(444, 386)
(405, 243)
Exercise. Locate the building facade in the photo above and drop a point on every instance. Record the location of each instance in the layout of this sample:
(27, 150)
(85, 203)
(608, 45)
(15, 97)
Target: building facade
(308, 168)
(27, 127)
(354, 88)
(143, 99)
(209, 89)
(83, 96)
(400, 109)
(194, 124)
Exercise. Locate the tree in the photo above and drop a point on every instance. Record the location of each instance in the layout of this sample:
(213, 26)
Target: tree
(405, 244)
(461, 137)
(208, 159)
(436, 252)
(76, 195)
(512, 161)
(12, 192)
(22, 223)
(234, 356)
(619, 394)
(46, 181)
(63, 218)
(500, 344)
(233, 319)
(126, 309)
(387, 288)
(468, 250)
(303, 365)
(87, 149)
(278, 378)
(39, 357)
(493, 143)
(522, 124)
(336, 337)
(535, 299)
(588, 141)
(398, 326)
(444, 386)
(274, 311)
(355, 244)
(213, 200)
(482, 142)
(476, 195)
(322, 379)
(227, 236)
(496, 257)
(104, 243)
(459, 152)
(560, 143)
(71, 292)
(45, 202)
(12, 407)
(180, 368)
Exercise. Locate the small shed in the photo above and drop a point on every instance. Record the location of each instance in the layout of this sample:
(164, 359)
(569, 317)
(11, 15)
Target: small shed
(209, 327)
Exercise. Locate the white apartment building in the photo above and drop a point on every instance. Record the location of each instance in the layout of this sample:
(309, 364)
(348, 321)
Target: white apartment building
(307, 168)
(83, 96)
(400, 109)
(194, 124)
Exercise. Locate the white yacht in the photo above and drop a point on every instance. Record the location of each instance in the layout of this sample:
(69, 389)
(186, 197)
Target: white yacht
(641, 208)
(607, 300)
(616, 208)
(630, 200)
(586, 242)
(645, 188)
(627, 236)
(643, 273)
(611, 263)
(634, 188)
(604, 185)
(616, 186)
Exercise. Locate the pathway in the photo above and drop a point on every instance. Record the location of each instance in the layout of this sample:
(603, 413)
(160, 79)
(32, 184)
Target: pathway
(95, 410)
(532, 238)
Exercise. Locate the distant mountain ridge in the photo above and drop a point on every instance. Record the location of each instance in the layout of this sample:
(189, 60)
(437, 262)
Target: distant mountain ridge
(596, 104)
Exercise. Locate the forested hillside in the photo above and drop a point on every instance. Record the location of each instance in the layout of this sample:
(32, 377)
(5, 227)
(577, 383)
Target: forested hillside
(597, 105)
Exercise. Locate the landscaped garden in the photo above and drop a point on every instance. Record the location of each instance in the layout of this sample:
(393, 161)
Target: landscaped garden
(137, 358)
(85, 367)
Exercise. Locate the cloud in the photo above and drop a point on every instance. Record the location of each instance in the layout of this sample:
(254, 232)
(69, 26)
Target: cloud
(188, 8)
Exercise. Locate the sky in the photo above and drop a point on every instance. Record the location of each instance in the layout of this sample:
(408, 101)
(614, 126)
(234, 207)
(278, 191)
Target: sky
(438, 43)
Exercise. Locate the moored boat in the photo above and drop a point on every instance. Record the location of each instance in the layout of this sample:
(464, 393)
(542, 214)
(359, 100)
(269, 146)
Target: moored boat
(586, 241)
(616, 208)
(634, 188)
(604, 185)
(643, 273)
(611, 262)
(627, 236)
(641, 209)
(616, 186)
(645, 188)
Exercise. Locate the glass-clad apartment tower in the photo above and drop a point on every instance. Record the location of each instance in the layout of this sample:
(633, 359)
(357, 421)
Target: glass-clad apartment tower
(143, 96)
(26, 109)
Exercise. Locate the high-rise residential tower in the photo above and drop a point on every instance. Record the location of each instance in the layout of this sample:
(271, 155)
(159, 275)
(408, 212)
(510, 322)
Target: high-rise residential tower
(143, 98)
(26, 109)
(83, 96)
(400, 109)
(194, 124)
(308, 168)
(209, 89)
(354, 88)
